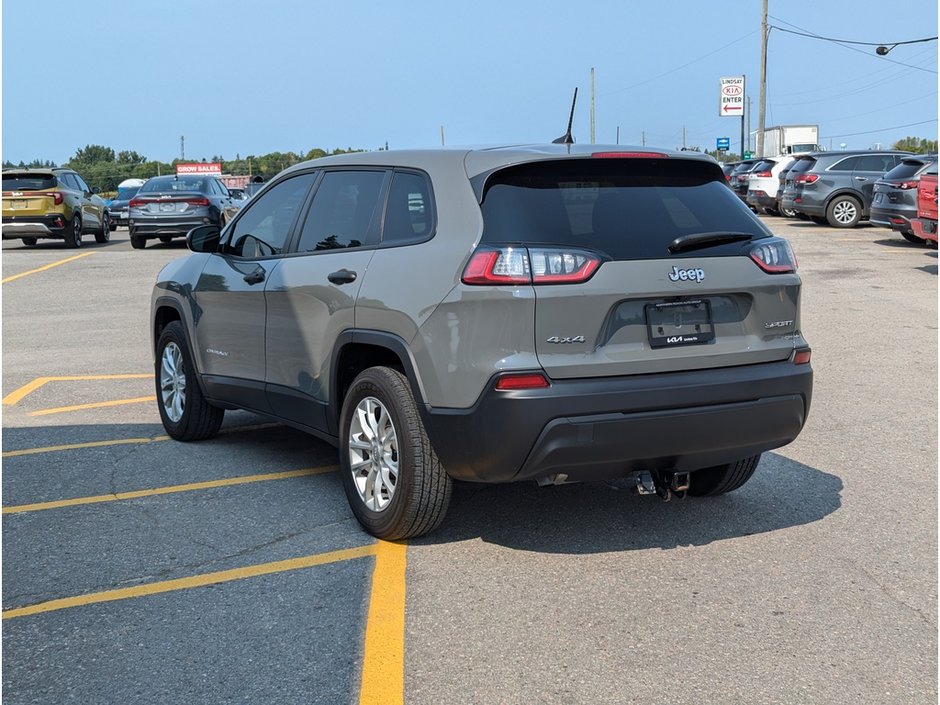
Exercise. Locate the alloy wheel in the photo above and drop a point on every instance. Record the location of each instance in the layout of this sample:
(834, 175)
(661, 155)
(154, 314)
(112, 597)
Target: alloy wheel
(173, 382)
(373, 454)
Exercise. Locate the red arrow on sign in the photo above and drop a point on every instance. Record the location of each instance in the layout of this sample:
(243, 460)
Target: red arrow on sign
(726, 108)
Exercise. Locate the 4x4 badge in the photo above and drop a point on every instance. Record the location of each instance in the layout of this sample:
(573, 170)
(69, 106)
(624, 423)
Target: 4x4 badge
(687, 275)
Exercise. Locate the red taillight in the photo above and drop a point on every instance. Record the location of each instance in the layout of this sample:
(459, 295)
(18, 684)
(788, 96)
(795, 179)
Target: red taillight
(807, 178)
(802, 357)
(137, 203)
(56, 196)
(774, 257)
(629, 155)
(763, 175)
(523, 380)
(534, 265)
(198, 201)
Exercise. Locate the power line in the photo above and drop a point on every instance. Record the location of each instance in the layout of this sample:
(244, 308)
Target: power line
(678, 68)
(884, 129)
(851, 48)
(849, 41)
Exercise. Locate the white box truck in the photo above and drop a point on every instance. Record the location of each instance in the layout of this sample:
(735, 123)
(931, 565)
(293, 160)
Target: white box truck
(789, 139)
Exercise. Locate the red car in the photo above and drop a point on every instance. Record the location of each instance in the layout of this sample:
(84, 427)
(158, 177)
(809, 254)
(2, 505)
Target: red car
(925, 224)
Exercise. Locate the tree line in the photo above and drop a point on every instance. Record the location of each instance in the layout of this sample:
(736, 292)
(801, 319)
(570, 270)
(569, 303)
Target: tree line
(103, 168)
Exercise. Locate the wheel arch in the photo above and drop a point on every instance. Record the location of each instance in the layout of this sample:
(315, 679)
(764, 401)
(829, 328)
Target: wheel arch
(357, 350)
(855, 195)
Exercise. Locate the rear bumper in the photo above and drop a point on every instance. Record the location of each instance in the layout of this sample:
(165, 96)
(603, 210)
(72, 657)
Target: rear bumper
(47, 226)
(173, 227)
(925, 228)
(886, 218)
(605, 428)
(761, 199)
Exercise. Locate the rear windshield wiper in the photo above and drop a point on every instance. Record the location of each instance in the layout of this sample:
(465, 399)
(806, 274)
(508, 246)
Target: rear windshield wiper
(696, 241)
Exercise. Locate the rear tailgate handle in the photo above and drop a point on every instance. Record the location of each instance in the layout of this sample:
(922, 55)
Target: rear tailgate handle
(343, 276)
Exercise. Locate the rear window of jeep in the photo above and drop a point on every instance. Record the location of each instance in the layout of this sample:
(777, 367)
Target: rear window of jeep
(625, 208)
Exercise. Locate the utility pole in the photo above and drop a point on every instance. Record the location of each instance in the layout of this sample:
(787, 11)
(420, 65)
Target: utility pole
(742, 119)
(442, 135)
(592, 105)
(762, 100)
(749, 125)
(182, 151)
(643, 138)
(683, 137)
(618, 134)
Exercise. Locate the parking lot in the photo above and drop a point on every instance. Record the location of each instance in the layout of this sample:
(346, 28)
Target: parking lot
(139, 569)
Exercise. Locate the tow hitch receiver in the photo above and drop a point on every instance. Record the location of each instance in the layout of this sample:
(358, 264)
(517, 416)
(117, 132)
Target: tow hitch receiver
(664, 484)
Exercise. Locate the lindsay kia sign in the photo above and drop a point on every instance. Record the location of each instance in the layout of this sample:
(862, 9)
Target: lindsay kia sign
(214, 169)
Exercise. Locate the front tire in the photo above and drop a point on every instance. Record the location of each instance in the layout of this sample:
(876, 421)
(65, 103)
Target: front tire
(787, 212)
(844, 212)
(185, 413)
(722, 478)
(393, 479)
(30, 241)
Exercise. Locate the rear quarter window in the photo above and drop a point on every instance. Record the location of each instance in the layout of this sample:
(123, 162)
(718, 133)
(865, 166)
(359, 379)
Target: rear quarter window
(625, 208)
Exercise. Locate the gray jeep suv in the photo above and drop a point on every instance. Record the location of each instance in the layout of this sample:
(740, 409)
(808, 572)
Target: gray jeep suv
(552, 313)
(836, 188)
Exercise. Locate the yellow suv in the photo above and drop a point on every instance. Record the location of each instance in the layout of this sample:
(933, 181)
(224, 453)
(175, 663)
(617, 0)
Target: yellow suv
(51, 203)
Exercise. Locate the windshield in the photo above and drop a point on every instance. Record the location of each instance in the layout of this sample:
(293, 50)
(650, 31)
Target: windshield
(165, 184)
(625, 208)
(28, 182)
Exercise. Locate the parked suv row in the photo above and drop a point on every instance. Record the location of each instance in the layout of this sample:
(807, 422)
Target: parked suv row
(894, 203)
(551, 313)
(836, 187)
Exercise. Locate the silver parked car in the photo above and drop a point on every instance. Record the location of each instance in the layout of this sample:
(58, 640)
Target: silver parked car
(166, 207)
(553, 313)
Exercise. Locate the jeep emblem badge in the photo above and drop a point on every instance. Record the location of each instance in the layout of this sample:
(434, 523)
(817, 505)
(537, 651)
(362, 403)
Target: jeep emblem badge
(687, 275)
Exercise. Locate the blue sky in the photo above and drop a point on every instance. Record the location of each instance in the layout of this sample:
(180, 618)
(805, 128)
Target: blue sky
(255, 76)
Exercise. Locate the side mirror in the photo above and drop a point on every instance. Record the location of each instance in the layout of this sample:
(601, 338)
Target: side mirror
(204, 238)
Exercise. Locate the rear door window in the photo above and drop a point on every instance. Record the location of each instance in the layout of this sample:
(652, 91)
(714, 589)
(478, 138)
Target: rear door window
(847, 164)
(626, 209)
(344, 211)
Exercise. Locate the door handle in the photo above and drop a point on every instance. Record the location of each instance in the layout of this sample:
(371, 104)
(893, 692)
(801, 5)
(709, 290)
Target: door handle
(343, 276)
(255, 277)
(861, 178)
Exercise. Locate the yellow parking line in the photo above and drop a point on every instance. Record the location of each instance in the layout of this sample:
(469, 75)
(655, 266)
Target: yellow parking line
(76, 446)
(17, 395)
(92, 405)
(194, 581)
(169, 489)
(383, 665)
(43, 269)
(123, 441)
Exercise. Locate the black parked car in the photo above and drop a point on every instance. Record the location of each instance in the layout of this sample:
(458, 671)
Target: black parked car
(894, 203)
(170, 206)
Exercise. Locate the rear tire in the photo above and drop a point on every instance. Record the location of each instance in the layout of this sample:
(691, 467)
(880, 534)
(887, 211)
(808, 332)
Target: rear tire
(185, 413)
(787, 212)
(844, 212)
(138, 242)
(30, 241)
(393, 479)
(722, 478)
(105, 234)
(911, 237)
(73, 234)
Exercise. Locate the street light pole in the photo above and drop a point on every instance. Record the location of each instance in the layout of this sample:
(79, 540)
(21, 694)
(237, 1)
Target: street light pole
(762, 100)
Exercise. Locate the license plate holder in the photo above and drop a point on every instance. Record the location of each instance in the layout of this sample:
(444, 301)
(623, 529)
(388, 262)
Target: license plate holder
(167, 207)
(20, 204)
(678, 323)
